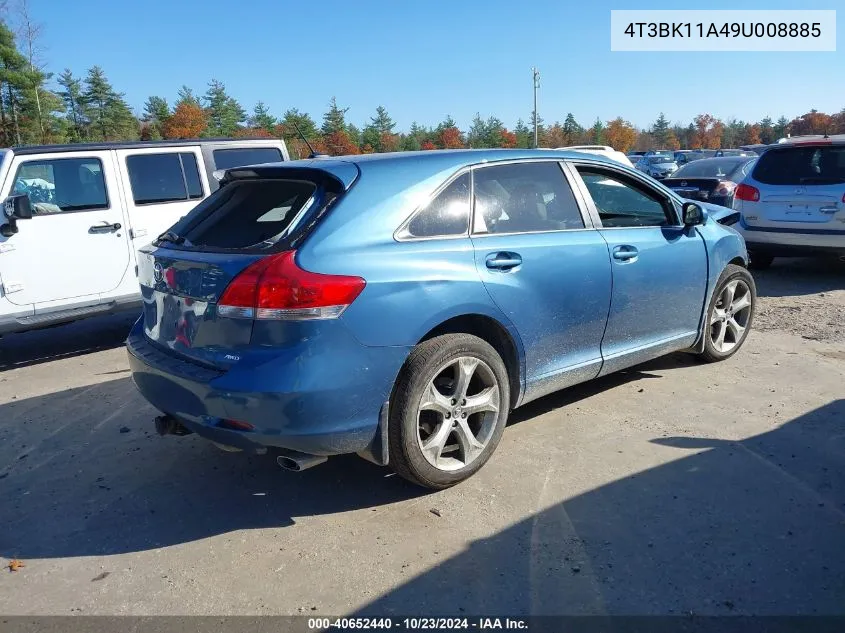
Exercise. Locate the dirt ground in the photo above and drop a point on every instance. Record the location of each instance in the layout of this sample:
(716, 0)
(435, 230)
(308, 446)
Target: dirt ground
(672, 488)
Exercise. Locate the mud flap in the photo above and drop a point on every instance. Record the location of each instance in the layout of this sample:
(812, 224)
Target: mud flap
(377, 451)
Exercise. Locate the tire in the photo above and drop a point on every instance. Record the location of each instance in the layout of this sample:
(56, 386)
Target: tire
(725, 322)
(418, 417)
(760, 261)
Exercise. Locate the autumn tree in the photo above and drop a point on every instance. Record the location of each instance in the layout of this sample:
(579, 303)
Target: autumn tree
(813, 122)
(620, 134)
(708, 132)
(448, 135)
(553, 136)
(187, 121)
(507, 139)
(752, 134)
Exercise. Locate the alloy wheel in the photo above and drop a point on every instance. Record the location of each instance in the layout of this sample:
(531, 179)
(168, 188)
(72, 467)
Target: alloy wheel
(457, 413)
(730, 317)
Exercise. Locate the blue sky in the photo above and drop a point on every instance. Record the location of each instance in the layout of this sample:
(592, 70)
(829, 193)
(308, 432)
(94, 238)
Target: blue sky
(423, 60)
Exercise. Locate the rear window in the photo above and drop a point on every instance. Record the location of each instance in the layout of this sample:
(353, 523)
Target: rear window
(169, 177)
(228, 158)
(248, 214)
(709, 168)
(802, 166)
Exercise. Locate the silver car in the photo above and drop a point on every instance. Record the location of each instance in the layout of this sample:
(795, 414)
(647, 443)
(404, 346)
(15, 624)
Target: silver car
(793, 201)
(658, 166)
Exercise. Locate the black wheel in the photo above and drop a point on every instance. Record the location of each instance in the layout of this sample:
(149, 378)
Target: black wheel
(448, 410)
(759, 261)
(729, 314)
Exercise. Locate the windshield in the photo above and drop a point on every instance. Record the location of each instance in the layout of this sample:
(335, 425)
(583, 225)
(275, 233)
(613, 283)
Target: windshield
(657, 160)
(709, 168)
(802, 166)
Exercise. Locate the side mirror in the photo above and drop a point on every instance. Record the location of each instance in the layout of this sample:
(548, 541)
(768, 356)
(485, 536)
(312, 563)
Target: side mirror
(692, 214)
(17, 207)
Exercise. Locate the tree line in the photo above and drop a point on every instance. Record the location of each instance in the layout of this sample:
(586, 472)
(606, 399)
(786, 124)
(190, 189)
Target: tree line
(37, 107)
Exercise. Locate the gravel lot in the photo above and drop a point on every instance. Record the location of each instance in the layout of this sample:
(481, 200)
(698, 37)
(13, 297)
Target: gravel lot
(671, 488)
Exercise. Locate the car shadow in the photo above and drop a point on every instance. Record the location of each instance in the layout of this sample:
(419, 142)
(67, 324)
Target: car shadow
(753, 527)
(800, 276)
(64, 341)
(90, 455)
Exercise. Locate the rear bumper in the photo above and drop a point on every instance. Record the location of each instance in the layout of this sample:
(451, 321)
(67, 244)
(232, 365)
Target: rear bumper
(321, 402)
(786, 242)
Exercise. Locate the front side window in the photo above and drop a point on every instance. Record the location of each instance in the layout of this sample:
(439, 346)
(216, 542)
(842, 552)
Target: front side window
(524, 197)
(62, 185)
(621, 202)
(158, 178)
(447, 214)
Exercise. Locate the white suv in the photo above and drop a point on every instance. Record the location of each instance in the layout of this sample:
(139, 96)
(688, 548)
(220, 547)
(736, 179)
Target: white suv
(793, 202)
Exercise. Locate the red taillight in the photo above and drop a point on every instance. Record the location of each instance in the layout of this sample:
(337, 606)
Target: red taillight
(747, 192)
(276, 288)
(237, 425)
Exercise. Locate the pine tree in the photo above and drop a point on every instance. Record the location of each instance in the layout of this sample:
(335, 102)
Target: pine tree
(767, 133)
(572, 130)
(156, 113)
(262, 119)
(12, 81)
(186, 95)
(780, 128)
(379, 132)
(597, 133)
(111, 118)
(334, 120)
(660, 132)
(523, 134)
(541, 130)
(225, 114)
(477, 135)
(74, 101)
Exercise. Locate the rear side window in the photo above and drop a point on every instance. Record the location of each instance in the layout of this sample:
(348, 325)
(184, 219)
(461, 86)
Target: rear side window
(249, 214)
(228, 158)
(524, 197)
(811, 165)
(447, 214)
(157, 178)
(62, 185)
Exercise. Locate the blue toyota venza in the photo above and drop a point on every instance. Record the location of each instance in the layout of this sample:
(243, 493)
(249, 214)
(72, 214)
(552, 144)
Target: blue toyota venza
(399, 306)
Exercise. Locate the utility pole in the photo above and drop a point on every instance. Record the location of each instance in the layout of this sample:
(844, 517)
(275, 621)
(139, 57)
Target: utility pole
(536, 85)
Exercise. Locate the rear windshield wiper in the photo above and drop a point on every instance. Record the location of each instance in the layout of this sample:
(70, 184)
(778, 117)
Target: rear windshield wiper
(170, 236)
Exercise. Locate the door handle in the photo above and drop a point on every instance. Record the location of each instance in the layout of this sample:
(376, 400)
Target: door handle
(104, 228)
(829, 210)
(503, 260)
(625, 253)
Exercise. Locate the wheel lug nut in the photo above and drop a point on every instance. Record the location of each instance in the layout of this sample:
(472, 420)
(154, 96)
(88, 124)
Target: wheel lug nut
(454, 401)
(448, 415)
(463, 402)
(463, 415)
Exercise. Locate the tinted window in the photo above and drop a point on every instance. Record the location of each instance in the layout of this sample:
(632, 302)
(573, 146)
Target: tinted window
(247, 214)
(802, 166)
(447, 214)
(163, 177)
(709, 168)
(62, 184)
(524, 197)
(621, 203)
(228, 158)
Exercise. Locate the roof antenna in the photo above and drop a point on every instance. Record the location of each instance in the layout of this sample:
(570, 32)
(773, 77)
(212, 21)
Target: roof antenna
(313, 154)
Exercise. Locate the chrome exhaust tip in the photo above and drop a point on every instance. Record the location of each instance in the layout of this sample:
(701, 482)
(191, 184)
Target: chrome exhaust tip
(297, 462)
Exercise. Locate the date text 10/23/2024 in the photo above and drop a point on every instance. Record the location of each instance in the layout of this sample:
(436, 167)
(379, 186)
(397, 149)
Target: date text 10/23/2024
(728, 30)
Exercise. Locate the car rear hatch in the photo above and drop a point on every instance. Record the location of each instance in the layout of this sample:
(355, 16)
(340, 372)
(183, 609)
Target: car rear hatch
(237, 248)
(798, 186)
